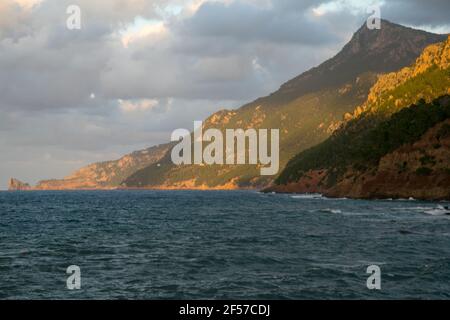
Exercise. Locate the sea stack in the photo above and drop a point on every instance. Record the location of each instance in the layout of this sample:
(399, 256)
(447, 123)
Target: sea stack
(17, 185)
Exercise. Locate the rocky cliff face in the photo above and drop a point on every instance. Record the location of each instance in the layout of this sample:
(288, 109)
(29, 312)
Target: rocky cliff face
(385, 50)
(17, 185)
(307, 109)
(106, 175)
(378, 152)
(420, 170)
(434, 56)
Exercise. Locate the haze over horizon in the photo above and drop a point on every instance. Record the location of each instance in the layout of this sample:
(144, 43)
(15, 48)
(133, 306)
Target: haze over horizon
(131, 76)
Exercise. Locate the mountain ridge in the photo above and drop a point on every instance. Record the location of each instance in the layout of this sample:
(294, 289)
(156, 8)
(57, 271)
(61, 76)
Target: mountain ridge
(106, 174)
(305, 116)
(397, 143)
(306, 109)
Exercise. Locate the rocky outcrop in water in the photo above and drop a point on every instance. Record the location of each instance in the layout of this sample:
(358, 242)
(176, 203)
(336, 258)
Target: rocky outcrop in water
(17, 185)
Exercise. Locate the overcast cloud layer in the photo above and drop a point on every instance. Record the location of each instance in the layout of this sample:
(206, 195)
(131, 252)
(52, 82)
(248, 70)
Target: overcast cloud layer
(139, 69)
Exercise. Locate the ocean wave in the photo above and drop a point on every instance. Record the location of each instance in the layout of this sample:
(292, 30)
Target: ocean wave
(412, 208)
(404, 199)
(328, 210)
(308, 196)
(439, 211)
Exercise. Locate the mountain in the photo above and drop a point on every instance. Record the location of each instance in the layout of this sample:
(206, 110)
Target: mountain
(106, 175)
(306, 109)
(396, 144)
(381, 51)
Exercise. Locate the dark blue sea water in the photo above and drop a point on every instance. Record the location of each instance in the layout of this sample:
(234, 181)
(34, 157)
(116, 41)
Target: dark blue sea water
(216, 245)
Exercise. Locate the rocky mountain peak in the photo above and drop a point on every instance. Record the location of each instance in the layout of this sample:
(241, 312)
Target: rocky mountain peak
(393, 40)
(388, 49)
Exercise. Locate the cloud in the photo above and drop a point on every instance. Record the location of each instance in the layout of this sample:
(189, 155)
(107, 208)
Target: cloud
(28, 4)
(418, 13)
(250, 22)
(14, 18)
(141, 105)
(124, 50)
(143, 29)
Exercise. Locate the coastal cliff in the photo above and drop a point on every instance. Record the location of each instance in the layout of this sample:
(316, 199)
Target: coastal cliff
(332, 121)
(102, 175)
(419, 170)
(307, 109)
(395, 145)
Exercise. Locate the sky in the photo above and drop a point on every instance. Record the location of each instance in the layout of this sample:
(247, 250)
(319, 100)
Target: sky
(138, 69)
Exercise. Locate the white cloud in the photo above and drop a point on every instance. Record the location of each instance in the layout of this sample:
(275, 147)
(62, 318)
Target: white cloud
(141, 29)
(194, 5)
(141, 105)
(28, 4)
(353, 6)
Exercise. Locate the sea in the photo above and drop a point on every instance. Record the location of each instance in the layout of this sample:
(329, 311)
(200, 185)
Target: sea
(220, 245)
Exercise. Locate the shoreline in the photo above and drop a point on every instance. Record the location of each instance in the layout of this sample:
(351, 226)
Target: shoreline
(264, 191)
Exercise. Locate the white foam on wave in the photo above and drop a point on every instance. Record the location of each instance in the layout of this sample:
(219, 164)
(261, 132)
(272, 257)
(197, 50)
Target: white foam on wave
(403, 199)
(412, 208)
(316, 196)
(435, 212)
(362, 214)
(308, 196)
(328, 210)
(439, 211)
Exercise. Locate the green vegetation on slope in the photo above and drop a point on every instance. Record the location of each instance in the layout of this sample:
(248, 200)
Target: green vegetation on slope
(384, 122)
(431, 84)
(364, 147)
(305, 109)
